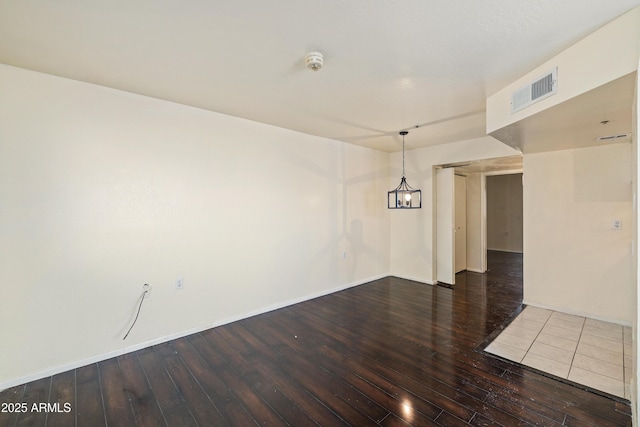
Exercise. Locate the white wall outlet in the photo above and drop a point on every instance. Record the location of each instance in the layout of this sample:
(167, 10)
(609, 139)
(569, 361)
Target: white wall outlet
(179, 283)
(617, 224)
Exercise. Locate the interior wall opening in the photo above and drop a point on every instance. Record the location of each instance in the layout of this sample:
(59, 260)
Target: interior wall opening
(464, 210)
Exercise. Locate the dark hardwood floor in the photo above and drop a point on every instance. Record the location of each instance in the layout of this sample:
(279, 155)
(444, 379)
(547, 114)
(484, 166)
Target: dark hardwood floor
(391, 352)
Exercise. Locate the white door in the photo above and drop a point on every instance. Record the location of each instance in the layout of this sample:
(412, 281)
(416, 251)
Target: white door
(460, 223)
(445, 226)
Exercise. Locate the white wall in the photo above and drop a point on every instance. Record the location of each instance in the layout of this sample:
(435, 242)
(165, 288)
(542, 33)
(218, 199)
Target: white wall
(102, 191)
(574, 261)
(412, 231)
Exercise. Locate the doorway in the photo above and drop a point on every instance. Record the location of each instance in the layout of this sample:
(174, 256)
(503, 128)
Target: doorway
(461, 215)
(504, 213)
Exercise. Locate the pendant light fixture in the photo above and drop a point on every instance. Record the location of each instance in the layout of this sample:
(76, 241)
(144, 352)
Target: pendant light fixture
(404, 196)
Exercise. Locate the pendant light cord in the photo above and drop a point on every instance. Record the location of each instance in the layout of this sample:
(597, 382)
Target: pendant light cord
(403, 156)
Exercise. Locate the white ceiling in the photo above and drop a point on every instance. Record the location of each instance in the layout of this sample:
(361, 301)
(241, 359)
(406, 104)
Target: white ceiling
(389, 65)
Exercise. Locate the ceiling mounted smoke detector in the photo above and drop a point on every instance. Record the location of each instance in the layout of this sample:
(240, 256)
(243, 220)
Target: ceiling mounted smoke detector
(314, 60)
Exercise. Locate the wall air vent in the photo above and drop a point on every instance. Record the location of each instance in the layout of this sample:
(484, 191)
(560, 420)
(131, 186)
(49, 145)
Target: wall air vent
(610, 138)
(536, 91)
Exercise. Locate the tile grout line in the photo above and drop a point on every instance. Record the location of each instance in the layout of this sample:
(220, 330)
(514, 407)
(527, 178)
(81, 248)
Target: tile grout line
(536, 338)
(593, 372)
(575, 351)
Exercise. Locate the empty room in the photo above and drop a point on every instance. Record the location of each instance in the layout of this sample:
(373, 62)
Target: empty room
(318, 213)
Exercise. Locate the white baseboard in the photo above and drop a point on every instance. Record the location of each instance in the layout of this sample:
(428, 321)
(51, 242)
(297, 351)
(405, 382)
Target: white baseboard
(414, 279)
(476, 270)
(119, 352)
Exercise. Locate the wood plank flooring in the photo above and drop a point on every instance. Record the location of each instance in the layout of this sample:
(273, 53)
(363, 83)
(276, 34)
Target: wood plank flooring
(391, 352)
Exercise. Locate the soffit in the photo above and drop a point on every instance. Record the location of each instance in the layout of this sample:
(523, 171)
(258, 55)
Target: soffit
(583, 121)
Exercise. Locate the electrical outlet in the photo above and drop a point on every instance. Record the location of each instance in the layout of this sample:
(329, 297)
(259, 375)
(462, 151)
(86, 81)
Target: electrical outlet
(179, 283)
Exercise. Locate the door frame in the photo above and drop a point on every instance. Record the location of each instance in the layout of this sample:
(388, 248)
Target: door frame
(483, 221)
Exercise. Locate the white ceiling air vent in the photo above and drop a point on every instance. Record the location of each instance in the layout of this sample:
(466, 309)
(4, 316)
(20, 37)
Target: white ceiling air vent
(611, 138)
(536, 91)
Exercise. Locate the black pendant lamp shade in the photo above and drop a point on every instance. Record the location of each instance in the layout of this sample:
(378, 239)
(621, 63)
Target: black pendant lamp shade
(404, 196)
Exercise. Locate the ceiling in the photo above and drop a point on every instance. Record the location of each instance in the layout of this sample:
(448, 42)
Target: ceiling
(423, 65)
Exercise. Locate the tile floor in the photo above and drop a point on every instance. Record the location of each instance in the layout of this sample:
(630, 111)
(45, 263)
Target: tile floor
(586, 351)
